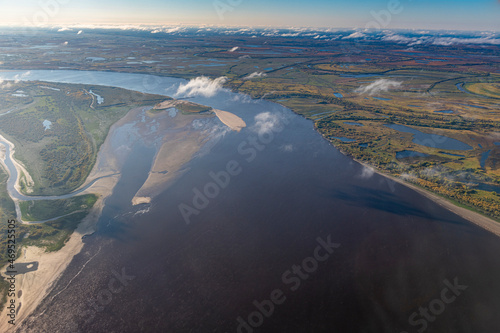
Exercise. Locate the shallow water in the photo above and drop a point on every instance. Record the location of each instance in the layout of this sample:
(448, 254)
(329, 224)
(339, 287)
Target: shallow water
(382, 98)
(353, 123)
(484, 157)
(410, 153)
(343, 139)
(431, 140)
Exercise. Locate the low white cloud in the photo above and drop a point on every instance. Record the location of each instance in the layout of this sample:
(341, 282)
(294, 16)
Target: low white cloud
(399, 39)
(64, 29)
(79, 32)
(295, 34)
(241, 98)
(407, 177)
(255, 75)
(172, 29)
(367, 172)
(201, 85)
(356, 34)
(5, 84)
(21, 77)
(445, 41)
(440, 40)
(266, 122)
(378, 86)
(234, 49)
(287, 148)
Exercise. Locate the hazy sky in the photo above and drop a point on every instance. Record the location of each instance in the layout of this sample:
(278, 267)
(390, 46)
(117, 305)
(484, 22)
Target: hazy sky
(422, 14)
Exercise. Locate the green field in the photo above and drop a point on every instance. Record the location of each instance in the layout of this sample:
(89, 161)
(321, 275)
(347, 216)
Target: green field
(40, 210)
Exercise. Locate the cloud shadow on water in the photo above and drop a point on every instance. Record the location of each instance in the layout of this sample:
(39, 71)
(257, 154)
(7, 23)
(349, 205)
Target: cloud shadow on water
(391, 203)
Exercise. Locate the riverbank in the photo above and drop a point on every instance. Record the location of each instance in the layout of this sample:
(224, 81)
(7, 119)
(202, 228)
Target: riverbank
(471, 216)
(478, 219)
(36, 285)
(21, 169)
(179, 143)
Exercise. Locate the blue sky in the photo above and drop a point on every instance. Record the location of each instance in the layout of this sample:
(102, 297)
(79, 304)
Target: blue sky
(420, 14)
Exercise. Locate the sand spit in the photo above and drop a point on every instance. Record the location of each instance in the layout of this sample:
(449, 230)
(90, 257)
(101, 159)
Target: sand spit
(140, 200)
(180, 142)
(169, 103)
(230, 119)
(168, 162)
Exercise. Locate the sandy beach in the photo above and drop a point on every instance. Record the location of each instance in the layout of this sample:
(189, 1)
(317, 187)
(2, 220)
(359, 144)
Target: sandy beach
(34, 286)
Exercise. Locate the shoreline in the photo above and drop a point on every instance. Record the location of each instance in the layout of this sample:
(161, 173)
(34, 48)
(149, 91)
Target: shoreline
(471, 216)
(475, 218)
(36, 285)
(105, 174)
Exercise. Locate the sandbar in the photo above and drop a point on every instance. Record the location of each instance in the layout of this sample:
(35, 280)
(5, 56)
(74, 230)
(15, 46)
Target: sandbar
(230, 120)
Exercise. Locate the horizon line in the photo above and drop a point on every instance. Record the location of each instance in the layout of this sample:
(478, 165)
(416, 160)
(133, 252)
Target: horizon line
(138, 26)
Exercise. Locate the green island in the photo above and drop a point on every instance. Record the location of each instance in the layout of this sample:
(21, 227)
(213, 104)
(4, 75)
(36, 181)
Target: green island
(41, 210)
(185, 107)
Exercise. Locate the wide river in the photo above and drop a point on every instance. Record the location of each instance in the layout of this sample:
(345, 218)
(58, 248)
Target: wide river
(398, 262)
